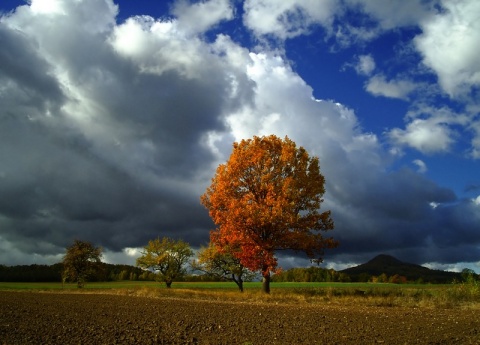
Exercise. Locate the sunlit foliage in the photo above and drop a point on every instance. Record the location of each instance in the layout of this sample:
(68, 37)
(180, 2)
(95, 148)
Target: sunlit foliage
(222, 264)
(166, 257)
(266, 198)
(81, 260)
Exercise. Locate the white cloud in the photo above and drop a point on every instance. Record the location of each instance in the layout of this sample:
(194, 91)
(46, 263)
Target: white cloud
(159, 46)
(201, 16)
(287, 18)
(379, 86)
(429, 129)
(449, 45)
(47, 6)
(284, 105)
(127, 256)
(421, 166)
(476, 201)
(457, 267)
(394, 13)
(365, 65)
(425, 135)
(475, 151)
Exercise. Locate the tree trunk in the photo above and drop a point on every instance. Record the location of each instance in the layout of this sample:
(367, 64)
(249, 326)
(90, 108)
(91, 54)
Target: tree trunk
(238, 281)
(266, 282)
(240, 284)
(168, 283)
(80, 283)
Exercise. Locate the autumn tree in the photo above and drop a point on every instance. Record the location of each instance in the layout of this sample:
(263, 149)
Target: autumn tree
(267, 198)
(81, 260)
(222, 264)
(166, 257)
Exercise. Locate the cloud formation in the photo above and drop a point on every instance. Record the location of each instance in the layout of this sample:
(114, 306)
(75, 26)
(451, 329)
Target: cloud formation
(365, 65)
(452, 56)
(379, 86)
(110, 131)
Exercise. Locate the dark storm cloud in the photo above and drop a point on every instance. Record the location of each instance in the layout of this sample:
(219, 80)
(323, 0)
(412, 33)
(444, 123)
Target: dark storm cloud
(406, 215)
(93, 146)
(410, 228)
(111, 132)
(28, 87)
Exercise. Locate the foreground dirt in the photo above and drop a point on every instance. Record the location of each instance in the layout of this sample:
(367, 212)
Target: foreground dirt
(48, 318)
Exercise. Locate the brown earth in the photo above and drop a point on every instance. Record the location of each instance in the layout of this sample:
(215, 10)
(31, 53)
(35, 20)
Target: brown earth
(52, 318)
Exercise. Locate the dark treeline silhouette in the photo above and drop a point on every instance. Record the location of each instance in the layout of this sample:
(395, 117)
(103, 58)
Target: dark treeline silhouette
(31, 273)
(105, 272)
(53, 273)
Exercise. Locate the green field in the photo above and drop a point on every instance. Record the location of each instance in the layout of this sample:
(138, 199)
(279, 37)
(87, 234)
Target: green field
(354, 294)
(276, 287)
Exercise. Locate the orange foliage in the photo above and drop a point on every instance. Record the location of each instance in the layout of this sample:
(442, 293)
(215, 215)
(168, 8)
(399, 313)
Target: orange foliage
(266, 198)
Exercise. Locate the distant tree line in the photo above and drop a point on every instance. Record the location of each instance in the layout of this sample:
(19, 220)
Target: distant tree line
(31, 273)
(111, 272)
(318, 274)
(310, 274)
(53, 273)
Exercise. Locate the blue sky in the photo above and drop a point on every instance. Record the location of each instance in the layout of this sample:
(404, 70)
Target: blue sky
(115, 114)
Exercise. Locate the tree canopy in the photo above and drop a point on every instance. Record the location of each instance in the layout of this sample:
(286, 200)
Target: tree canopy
(266, 198)
(80, 261)
(222, 264)
(166, 257)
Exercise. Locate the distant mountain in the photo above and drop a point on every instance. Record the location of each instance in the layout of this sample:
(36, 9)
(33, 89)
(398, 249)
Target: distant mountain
(390, 266)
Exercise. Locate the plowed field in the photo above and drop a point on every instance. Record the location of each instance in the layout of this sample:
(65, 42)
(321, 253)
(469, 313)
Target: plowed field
(50, 318)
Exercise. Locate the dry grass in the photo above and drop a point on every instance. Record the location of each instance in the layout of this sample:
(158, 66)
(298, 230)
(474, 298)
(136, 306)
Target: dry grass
(465, 295)
(454, 296)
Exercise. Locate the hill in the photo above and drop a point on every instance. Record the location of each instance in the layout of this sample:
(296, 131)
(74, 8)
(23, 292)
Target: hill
(386, 264)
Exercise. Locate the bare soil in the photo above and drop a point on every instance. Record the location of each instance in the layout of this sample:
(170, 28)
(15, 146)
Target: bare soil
(59, 318)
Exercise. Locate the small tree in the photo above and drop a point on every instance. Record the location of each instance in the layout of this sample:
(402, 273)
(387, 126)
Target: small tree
(222, 264)
(167, 258)
(267, 198)
(81, 261)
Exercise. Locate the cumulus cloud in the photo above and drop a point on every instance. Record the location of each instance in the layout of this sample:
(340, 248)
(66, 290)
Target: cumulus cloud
(395, 13)
(425, 135)
(287, 19)
(201, 16)
(475, 151)
(448, 44)
(365, 65)
(291, 18)
(429, 129)
(379, 86)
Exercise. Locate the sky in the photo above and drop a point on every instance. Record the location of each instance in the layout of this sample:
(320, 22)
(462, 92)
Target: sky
(114, 115)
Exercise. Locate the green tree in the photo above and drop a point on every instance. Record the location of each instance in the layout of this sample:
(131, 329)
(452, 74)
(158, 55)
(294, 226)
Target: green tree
(81, 261)
(266, 198)
(222, 264)
(167, 258)
(468, 275)
(382, 278)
